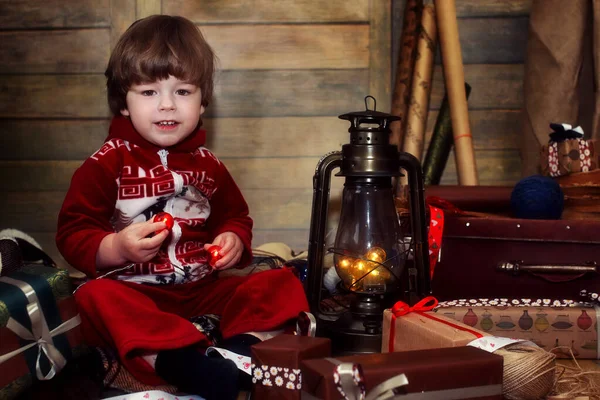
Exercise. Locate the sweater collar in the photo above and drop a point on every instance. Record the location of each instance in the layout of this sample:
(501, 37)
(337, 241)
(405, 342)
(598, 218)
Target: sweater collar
(122, 128)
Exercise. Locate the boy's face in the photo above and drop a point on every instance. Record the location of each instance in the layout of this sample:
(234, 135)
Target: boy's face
(164, 112)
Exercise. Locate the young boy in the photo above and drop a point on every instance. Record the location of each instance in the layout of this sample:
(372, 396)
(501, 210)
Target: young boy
(148, 281)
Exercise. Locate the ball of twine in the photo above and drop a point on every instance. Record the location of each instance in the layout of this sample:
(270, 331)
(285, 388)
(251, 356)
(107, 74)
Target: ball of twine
(529, 371)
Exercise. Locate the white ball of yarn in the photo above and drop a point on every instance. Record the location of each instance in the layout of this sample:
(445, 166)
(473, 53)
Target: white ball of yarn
(331, 279)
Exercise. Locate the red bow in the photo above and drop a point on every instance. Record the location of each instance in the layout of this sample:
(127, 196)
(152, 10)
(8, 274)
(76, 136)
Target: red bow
(401, 308)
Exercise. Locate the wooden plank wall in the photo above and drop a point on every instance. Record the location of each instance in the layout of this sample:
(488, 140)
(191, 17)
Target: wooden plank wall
(287, 69)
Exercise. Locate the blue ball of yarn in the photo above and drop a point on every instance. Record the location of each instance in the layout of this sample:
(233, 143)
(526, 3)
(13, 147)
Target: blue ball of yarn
(537, 197)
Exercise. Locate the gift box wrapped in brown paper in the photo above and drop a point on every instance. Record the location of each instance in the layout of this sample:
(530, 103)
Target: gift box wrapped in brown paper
(420, 330)
(276, 364)
(451, 373)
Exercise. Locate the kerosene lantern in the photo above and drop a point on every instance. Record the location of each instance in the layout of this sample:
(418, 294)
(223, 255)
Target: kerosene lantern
(376, 263)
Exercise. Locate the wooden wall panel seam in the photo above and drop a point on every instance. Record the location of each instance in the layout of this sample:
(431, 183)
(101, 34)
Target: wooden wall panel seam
(380, 65)
(233, 11)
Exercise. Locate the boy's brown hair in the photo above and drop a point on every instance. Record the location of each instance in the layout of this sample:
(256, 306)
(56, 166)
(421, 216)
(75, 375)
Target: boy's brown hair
(153, 48)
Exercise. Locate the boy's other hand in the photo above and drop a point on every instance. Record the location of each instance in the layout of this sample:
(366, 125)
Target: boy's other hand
(231, 249)
(141, 241)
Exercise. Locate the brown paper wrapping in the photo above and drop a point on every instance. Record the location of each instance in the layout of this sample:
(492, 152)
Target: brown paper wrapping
(427, 371)
(454, 76)
(415, 331)
(404, 68)
(548, 327)
(559, 91)
(274, 361)
(418, 108)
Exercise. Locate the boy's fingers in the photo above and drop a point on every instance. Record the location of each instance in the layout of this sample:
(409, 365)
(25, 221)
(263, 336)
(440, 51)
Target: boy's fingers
(153, 227)
(229, 258)
(155, 240)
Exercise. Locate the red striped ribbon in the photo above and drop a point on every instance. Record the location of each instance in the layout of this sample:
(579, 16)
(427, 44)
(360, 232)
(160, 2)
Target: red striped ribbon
(436, 231)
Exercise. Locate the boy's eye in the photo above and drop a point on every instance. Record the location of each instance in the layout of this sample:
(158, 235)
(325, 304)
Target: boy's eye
(147, 92)
(183, 92)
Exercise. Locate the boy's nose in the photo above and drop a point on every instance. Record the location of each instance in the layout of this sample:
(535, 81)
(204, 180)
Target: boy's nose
(166, 103)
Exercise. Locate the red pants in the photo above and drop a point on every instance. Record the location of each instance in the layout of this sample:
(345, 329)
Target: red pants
(140, 319)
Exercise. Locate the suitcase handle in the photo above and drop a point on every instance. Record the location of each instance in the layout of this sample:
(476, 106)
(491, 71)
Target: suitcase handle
(550, 272)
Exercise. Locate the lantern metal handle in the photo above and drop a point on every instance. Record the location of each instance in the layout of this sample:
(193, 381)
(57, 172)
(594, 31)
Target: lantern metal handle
(419, 278)
(316, 243)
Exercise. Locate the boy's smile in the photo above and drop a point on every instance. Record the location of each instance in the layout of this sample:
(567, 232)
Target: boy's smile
(167, 124)
(164, 112)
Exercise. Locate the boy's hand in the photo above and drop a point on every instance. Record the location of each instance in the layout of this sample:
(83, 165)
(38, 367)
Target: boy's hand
(134, 244)
(231, 249)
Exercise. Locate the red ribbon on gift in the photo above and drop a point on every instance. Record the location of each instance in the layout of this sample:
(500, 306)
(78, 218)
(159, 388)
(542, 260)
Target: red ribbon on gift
(426, 304)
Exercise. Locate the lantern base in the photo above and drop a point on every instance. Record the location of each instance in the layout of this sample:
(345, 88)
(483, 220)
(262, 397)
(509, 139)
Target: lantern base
(348, 335)
(356, 331)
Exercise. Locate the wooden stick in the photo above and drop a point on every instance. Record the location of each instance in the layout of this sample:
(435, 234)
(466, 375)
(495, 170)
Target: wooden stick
(454, 76)
(404, 68)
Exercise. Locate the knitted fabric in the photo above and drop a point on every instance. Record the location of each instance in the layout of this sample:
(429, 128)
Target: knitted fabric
(129, 180)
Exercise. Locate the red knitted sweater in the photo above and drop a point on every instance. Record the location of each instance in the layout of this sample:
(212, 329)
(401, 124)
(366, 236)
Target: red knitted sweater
(129, 180)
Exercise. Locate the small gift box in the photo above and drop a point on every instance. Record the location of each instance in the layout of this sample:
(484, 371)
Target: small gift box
(416, 328)
(450, 373)
(568, 152)
(560, 326)
(276, 364)
(37, 317)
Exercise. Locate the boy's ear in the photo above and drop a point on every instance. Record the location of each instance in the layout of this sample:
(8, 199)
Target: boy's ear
(125, 112)
(202, 109)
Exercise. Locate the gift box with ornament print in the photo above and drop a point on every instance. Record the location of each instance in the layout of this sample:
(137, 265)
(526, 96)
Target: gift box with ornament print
(276, 364)
(569, 156)
(560, 326)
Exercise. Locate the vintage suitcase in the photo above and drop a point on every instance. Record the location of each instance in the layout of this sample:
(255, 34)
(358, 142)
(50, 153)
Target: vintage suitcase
(487, 254)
